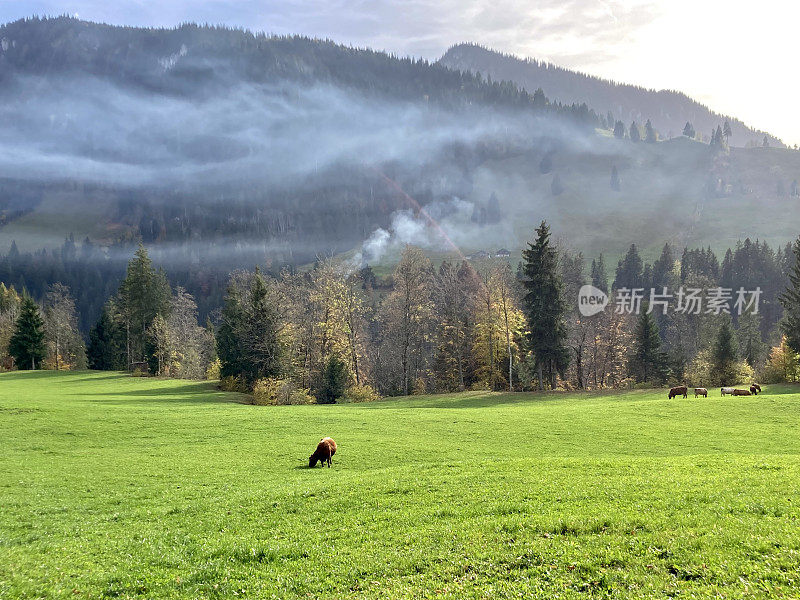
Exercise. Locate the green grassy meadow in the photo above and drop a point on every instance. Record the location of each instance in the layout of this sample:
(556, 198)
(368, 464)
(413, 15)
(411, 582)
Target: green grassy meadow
(120, 487)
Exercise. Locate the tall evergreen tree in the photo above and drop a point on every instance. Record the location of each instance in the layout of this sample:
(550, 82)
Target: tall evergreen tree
(229, 336)
(545, 307)
(648, 364)
(724, 355)
(106, 348)
(599, 276)
(650, 133)
(662, 268)
(27, 343)
(539, 99)
(688, 130)
(263, 350)
(630, 270)
(619, 130)
(635, 134)
(334, 379)
(143, 294)
(790, 299)
(751, 347)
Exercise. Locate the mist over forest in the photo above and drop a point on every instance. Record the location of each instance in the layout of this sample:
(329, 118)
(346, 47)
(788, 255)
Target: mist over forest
(221, 149)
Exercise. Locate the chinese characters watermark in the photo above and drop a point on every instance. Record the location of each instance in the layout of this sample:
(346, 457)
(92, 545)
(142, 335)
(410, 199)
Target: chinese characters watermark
(685, 300)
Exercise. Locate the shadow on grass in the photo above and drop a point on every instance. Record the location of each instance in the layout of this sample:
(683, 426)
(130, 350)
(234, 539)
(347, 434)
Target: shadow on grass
(190, 389)
(65, 376)
(42, 374)
(484, 399)
(192, 393)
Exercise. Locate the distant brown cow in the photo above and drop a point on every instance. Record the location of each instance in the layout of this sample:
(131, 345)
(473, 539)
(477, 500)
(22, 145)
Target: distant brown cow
(755, 388)
(742, 393)
(324, 453)
(677, 391)
(700, 392)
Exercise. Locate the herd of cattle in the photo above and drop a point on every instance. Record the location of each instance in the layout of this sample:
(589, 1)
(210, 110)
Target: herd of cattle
(682, 390)
(327, 447)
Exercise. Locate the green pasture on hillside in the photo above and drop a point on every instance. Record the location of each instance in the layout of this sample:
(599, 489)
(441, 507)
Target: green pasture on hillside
(121, 487)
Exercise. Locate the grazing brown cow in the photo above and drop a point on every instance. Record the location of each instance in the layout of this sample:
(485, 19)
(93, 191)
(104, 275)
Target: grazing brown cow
(324, 453)
(742, 393)
(677, 391)
(700, 392)
(758, 387)
(754, 390)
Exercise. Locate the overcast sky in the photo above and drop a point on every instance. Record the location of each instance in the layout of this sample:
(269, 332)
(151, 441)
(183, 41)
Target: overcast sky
(737, 57)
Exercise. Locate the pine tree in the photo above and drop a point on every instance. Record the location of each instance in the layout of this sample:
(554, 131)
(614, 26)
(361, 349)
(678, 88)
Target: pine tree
(629, 270)
(726, 131)
(718, 139)
(599, 276)
(334, 379)
(662, 268)
(619, 130)
(751, 347)
(27, 343)
(263, 350)
(539, 99)
(106, 344)
(648, 364)
(651, 136)
(230, 334)
(545, 307)
(688, 130)
(143, 294)
(635, 134)
(790, 299)
(724, 355)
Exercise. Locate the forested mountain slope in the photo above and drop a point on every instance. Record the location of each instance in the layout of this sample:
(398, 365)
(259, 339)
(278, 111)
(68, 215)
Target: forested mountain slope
(668, 110)
(221, 148)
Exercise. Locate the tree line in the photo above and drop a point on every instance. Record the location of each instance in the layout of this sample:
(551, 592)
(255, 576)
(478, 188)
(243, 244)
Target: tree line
(336, 332)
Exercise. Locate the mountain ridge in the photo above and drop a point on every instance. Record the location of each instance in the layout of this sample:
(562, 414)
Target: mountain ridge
(669, 110)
